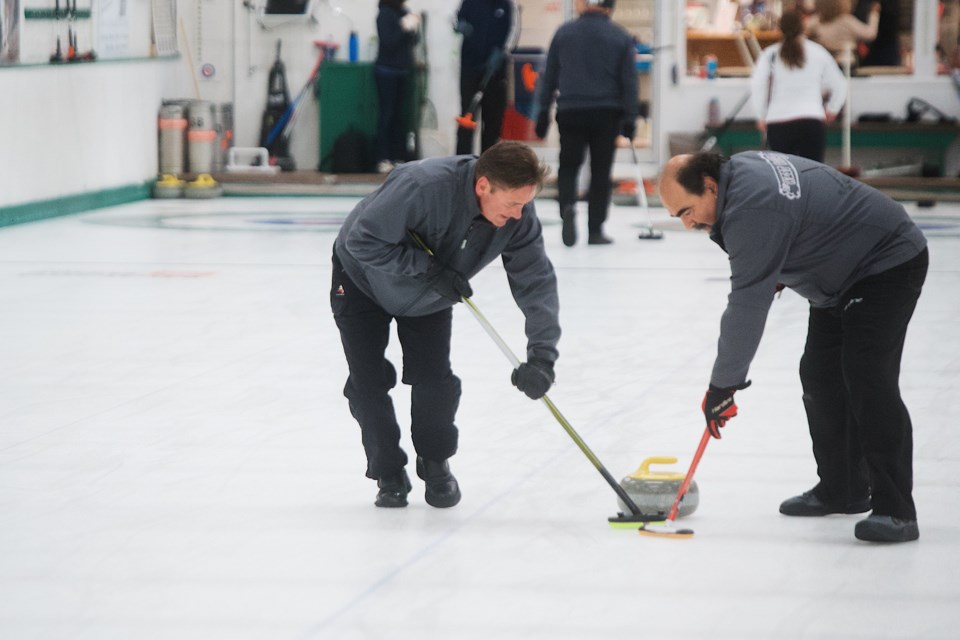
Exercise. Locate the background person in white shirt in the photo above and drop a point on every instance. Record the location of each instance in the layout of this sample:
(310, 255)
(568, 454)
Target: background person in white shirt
(788, 86)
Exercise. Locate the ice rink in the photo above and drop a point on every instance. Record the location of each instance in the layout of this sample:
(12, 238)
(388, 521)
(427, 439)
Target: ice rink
(177, 460)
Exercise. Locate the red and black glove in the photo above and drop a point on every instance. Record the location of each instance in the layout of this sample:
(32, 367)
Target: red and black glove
(718, 406)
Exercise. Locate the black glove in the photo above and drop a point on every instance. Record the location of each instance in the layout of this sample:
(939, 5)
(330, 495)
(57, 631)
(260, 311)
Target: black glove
(447, 282)
(718, 406)
(628, 129)
(533, 377)
(543, 124)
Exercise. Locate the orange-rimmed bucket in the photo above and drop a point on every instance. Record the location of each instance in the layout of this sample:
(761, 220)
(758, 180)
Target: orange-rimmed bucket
(201, 137)
(171, 126)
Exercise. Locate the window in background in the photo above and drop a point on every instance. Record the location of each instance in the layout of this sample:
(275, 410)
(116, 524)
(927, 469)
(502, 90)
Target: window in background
(728, 34)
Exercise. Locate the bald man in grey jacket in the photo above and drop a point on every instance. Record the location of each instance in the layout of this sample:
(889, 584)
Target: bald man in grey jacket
(467, 211)
(860, 261)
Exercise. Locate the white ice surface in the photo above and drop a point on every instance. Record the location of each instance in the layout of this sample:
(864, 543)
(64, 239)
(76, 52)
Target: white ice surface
(177, 460)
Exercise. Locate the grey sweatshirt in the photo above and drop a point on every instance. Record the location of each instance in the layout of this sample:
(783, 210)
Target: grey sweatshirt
(435, 198)
(788, 220)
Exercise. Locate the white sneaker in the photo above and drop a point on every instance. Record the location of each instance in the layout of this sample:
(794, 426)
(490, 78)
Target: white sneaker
(384, 166)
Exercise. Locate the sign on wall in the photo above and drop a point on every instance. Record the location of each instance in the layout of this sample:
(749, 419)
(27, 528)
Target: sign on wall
(113, 29)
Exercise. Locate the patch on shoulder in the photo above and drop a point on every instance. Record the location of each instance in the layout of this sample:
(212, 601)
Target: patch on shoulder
(787, 177)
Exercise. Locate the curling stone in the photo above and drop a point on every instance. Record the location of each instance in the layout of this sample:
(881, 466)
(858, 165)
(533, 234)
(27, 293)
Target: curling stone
(203, 187)
(654, 491)
(168, 186)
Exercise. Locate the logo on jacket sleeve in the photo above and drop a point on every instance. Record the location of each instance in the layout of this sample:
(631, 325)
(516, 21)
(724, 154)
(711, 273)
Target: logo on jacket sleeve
(788, 179)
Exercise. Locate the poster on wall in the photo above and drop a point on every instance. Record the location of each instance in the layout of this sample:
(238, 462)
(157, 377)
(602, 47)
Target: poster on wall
(113, 29)
(9, 31)
(164, 37)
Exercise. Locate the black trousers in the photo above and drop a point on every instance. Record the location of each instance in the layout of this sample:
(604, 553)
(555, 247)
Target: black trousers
(492, 106)
(850, 371)
(435, 391)
(582, 129)
(806, 138)
(392, 87)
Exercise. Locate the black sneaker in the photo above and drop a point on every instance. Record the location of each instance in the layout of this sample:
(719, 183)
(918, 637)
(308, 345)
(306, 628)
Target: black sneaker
(569, 232)
(886, 529)
(393, 490)
(809, 504)
(442, 489)
(598, 238)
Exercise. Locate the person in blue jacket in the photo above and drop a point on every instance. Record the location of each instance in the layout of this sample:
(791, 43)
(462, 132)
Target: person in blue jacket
(486, 26)
(860, 261)
(468, 211)
(397, 30)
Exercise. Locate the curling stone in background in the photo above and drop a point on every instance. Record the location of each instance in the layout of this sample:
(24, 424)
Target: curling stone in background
(203, 187)
(654, 491)
(168, 186)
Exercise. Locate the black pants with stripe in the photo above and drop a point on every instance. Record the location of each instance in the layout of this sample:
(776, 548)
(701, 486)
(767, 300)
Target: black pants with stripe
(493, 104)
(850, 371)
(435, 391)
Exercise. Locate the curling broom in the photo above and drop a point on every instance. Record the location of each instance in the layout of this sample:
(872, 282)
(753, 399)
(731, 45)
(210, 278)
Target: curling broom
(667, 528)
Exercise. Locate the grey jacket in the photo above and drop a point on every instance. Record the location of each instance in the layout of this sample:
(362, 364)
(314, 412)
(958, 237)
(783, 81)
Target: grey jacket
(788, 220)
(435, 198)
(592, 63)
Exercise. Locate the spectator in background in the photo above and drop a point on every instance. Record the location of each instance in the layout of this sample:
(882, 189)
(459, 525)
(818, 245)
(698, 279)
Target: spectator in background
(884, 51)
(485, 26)
(591, 71)
(397, 32)
(787, 87)
(838, 30)
(948, 33)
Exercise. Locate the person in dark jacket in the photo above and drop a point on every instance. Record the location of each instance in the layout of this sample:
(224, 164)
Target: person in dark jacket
(858, 258)
(591, 71)
(884, 51)
(485, 26)
(467, 211)
(397, 30)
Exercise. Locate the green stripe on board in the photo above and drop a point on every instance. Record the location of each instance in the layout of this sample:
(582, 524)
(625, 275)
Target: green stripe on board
(32, 211)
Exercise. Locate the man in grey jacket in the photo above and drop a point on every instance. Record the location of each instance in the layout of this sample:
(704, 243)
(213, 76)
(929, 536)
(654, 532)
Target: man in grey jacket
(591, 71)
(860, 261)
(467, 211)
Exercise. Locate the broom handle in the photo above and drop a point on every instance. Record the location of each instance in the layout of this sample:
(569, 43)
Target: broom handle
(505, 349)
(641, 189)
(689, 477)
(621, 493)
(847, 111)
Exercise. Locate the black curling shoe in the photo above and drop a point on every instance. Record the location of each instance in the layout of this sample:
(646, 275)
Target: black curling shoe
(442, 489)
(393, 490)
(886, 529)
(598, 238)
(808, 504)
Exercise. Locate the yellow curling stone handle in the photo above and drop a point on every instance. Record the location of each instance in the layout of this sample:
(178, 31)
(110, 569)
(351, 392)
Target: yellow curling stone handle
(644, 473)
